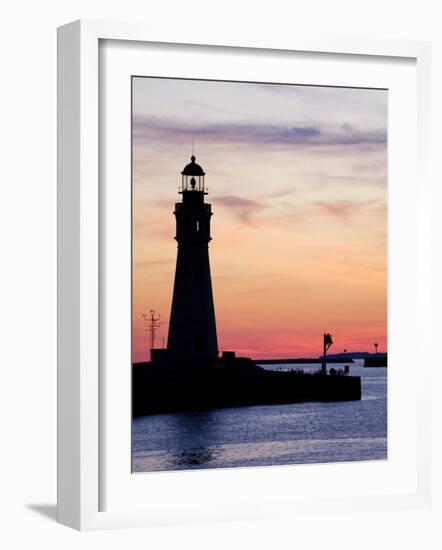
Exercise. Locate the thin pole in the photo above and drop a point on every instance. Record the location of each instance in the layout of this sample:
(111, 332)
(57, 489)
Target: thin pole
(153, 324)
(327, 343)
(324, 355)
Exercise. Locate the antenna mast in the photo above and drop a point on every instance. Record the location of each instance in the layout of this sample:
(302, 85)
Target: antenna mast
(152, 325)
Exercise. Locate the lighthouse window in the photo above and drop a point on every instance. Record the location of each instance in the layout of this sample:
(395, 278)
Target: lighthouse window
(197, 226)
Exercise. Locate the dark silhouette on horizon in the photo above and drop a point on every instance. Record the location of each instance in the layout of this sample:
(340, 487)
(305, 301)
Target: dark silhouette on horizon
(189, 374)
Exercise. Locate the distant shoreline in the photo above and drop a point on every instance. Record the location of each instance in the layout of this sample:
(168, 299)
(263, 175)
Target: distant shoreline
(301, 360)
(334, 358)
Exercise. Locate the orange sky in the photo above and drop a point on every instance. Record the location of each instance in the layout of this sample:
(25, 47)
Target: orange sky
(297, 182)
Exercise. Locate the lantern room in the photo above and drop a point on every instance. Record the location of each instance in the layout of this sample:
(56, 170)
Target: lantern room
(192, 177)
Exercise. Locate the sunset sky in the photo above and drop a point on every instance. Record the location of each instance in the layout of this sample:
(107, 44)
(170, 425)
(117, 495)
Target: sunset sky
(297, 179)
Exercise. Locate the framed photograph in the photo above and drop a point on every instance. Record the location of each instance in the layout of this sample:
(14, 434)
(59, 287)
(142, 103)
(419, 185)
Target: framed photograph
(240, 372)
(242, 256)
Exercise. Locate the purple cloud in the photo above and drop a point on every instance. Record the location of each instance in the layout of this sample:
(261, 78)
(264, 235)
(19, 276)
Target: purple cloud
(244, 209)
(152, 128)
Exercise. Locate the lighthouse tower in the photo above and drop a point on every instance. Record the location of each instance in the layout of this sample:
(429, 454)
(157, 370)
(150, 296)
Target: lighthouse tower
(192, 339)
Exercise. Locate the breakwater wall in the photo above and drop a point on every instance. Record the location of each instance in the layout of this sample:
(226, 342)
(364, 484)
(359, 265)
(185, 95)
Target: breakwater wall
(161, 389)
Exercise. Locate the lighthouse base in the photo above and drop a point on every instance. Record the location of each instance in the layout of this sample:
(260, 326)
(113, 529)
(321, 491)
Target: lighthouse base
(238, 384)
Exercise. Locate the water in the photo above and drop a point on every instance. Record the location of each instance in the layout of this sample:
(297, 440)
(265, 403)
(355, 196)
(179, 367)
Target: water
(268, 435)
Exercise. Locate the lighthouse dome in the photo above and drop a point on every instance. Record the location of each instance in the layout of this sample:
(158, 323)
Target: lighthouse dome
(193, 169)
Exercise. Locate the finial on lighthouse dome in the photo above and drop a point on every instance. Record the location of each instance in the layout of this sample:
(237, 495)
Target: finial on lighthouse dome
(193, 169)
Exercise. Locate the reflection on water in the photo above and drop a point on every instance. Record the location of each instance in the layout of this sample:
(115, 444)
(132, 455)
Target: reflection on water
(188, 428)
(192, 457)
(267, 435)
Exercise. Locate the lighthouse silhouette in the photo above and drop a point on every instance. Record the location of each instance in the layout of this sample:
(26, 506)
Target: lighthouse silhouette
(181, 378)
(192, 339)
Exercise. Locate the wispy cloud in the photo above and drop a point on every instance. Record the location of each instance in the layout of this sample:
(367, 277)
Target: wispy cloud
(252, 276)
(148, 128)
(243, 208)
(344, 209)
(259, 213)
(353, 179)
(340, 209)
(279, 193)
(151, 263)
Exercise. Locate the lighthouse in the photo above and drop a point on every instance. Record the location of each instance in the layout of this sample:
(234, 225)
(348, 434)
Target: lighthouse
(192, 339)
(188, 374)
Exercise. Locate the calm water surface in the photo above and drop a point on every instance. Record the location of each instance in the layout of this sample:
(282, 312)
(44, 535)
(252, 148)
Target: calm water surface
(268, 435)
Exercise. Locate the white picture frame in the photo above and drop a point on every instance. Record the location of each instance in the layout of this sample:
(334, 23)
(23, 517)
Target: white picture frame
(80, 436)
